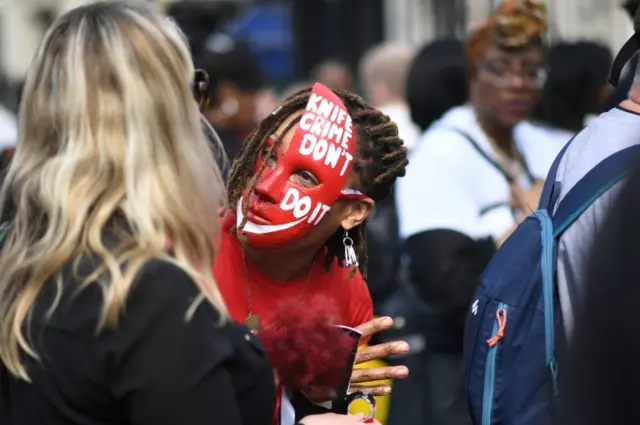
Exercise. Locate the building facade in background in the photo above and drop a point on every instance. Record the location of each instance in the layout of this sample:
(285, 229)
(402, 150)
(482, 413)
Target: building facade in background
(23, 22)
(415, 21)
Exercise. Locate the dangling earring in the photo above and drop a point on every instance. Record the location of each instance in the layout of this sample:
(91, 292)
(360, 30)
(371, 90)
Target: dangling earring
(350, 257)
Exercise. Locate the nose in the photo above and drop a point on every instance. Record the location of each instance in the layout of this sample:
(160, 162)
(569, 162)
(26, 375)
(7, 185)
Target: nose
(270, 185)
(517, 81)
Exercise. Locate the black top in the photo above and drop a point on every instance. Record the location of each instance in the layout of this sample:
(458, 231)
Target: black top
(384, 251)
(156, 368)
(446, 267)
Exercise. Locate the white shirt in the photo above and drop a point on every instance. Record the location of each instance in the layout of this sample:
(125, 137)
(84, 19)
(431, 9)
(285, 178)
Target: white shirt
(529, 130)
(8, 129)
(449, 185)
(408, 131)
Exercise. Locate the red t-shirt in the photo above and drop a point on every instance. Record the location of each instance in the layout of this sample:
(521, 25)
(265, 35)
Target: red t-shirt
(350, 295)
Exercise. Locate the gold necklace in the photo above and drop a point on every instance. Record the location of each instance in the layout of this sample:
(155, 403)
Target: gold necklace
(254, 321)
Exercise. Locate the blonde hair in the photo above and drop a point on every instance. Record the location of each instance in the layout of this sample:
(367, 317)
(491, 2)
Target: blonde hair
(109, 141)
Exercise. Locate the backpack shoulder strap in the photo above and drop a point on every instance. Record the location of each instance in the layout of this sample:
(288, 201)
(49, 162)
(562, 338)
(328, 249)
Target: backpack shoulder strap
(550, 189)
(593, 185)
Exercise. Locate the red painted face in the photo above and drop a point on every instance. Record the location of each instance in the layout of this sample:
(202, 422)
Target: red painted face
(297, 188)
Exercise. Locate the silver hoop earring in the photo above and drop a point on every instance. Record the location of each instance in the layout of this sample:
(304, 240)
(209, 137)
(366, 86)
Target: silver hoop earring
(350, 258)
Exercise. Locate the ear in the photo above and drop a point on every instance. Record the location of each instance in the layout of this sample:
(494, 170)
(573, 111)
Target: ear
(358, 212)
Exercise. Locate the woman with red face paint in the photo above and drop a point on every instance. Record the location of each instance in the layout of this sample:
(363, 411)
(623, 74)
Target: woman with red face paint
(299, 195)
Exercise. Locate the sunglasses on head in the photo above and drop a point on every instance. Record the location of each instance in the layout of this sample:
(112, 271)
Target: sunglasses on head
(201, 89)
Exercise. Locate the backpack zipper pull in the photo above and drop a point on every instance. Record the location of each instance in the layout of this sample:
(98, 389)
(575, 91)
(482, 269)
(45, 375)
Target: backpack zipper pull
(501, 316)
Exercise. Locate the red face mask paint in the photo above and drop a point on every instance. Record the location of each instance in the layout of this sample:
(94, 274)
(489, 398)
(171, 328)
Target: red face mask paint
(298, 188)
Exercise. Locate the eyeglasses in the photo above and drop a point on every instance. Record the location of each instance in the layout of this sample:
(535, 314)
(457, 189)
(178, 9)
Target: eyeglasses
(201, 89)
(533, 76)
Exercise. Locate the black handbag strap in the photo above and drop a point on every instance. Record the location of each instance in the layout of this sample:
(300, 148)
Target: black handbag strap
(490, 160)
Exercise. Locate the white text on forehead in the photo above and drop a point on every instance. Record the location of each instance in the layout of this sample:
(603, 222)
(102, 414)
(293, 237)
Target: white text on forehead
(325, 129)
(329, 110)
(321, 150)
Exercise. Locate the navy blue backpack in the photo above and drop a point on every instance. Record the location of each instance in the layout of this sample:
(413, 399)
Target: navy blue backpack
(514, 323)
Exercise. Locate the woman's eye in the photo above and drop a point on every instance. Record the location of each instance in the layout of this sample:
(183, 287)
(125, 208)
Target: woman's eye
(308, 178)
(270, 158)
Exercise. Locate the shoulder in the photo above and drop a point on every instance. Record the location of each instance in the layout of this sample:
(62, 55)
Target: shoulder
(540, 145)
(435, 196)
(351, 293)
(158, 288)
(166, 307)
(607, 134)
(451, 132)
(164, 295)
(440, 141)
(161, 282)
(438, 154)
(442, 151)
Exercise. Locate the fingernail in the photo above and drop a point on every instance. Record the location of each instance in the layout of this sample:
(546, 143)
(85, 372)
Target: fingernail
(402, 346)
(403, 372)
(387, 391)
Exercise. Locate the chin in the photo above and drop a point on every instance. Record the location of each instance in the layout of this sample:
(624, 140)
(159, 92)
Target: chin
(511, 120)
(260, 244)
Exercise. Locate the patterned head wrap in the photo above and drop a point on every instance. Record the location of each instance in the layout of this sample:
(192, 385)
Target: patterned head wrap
(514, 25)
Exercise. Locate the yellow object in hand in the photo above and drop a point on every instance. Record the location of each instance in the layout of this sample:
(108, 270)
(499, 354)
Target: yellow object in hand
(382, 403)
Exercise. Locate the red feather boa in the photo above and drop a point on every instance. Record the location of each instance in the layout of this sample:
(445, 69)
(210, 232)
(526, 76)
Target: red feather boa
(304, 345)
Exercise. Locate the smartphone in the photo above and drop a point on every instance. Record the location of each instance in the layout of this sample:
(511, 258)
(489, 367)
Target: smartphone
(339, 400)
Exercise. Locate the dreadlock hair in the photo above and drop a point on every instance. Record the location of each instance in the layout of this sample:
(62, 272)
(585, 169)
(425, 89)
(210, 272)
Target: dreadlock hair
(380, 159)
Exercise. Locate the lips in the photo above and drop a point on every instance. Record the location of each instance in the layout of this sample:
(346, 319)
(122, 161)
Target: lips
(518, 106)
(256, 218)
(256, 229)
(256, 212)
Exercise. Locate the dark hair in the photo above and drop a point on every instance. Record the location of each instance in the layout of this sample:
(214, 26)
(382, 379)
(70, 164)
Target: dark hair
(631, 6)
(577, 72)
(436, 81)
(228, 60)
(380, 158)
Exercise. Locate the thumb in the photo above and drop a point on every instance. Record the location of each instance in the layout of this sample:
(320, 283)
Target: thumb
(358, 417)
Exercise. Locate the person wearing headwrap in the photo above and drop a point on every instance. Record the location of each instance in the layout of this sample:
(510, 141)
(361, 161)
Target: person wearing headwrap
(470, 182)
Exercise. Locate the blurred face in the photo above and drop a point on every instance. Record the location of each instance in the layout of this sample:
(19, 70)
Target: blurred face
(337, 77)
(507, 84)
(305, 178)
(232, 107)
(247, 108)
